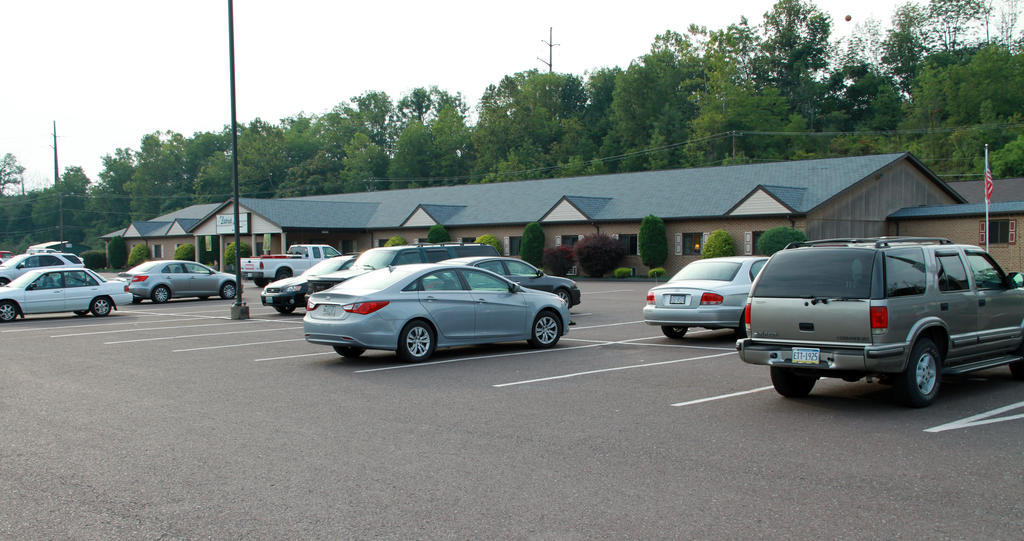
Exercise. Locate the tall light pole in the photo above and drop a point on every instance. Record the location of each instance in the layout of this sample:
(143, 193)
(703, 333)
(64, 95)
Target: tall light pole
(238, 310)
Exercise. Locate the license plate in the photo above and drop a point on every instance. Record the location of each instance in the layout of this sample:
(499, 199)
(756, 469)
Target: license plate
(677, 299)
(806, 355)
(331, 310)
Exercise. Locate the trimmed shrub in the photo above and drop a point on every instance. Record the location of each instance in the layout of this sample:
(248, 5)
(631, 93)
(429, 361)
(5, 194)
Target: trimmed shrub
(623, 272)
(229, 253)
(490, 239)
(531, 248)
(558, 260)
(94, 259)
(598, 254)
(117, 253)
(139, 253)
(186, 252)
(395, 241)
(652, 241)
(656, 272)
(777, 238)
(438, 233)
(719, 244)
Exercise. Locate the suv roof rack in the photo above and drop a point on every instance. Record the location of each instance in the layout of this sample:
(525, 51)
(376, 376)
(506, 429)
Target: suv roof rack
(878, 242)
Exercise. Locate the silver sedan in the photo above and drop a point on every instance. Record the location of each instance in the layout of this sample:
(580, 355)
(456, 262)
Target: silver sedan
(708, 293)
(163, 279)
(414, 309)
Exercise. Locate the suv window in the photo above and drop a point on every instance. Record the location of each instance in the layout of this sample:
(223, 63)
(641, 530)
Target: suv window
(952, 274)
(407, 257)
(72, 258)
(905, 272)
(478, 249)
(827, 272)
(436, 254)
(987, 275)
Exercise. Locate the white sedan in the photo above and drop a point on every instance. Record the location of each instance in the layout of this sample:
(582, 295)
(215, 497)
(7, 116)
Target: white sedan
(61, 290)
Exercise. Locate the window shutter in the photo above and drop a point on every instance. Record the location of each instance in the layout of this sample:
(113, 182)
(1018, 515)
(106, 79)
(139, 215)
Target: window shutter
(508, 246)
(615, 236)
(579, 237)
(981, 232)
(748, 244)
(1013, 231)
(679, 244)
(558, 241)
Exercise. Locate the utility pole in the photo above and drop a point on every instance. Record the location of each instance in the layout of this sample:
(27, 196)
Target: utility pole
(56, 184)
(551, 48)
(238, 310)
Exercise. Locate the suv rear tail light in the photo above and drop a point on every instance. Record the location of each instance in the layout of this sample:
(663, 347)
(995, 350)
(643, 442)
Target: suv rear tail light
(364, 307)
(650, 298)
(261, 265)
(711, 298)
(879, 318)
(746, 315)
(140, 278)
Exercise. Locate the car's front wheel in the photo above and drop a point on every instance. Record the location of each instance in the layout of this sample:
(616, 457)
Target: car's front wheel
(416, 342)
(564, 295)
(918, 385)
(285, 310)
(227, 291)
(260, 282)
(790, 384)
(546, 330)
(101, 306)
(349, 352)
(160, 294)
(8, 311)
(673, 332)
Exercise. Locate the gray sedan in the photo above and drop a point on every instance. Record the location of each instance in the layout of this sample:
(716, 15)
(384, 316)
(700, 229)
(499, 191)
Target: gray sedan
(708, 293)
(525, 275)
(165, 279)
(413, 309)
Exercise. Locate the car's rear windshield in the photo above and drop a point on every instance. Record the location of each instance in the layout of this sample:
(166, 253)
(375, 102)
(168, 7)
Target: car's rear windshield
(817, 272)
(708, 270)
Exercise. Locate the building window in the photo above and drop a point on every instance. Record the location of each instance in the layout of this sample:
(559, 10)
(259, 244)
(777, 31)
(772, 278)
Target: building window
(382, 242)
(348, 246)
(569, 240)
(629, 243)
(158, 251)
(468, 239)
(692, 243)
(999, 232)
(754, 238)
(513, 245)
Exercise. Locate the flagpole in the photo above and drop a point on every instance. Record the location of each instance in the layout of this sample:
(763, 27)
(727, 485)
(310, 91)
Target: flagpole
(988, 195)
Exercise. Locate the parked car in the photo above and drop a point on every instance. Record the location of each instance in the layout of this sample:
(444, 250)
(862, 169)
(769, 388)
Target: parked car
(43, 291)
(162, 280)
(392, 256)
(287, 294)
(5, 255)
(413, 309)
(709, 293)
(904, 311)
(299, 257)
(20, 264)
(525, 275)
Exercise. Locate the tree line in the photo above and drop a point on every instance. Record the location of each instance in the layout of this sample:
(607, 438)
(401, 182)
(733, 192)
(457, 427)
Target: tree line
(943, 79)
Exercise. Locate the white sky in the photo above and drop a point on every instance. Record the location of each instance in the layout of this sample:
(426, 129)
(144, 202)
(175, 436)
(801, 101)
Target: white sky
(110, 71)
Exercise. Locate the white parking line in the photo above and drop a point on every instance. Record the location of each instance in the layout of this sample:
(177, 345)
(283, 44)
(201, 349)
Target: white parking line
(145, 329)
(722, 396)
(294, 356)
(637, 340)
(194, 336)
(615, 369)
(460, 359)
(986, 418)
(238, 345)
(62, 327)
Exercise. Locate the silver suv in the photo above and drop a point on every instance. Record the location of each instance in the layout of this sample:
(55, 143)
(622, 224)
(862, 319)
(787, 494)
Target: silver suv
(901, 310)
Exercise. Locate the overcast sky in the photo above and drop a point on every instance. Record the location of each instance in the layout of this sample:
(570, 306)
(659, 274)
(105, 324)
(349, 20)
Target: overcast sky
(110, 71)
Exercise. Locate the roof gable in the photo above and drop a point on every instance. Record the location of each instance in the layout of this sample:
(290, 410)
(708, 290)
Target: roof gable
(768, 200)
(419, 218)
(575, 208)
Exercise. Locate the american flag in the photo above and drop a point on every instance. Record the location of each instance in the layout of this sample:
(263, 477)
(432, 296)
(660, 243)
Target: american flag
(988, 184)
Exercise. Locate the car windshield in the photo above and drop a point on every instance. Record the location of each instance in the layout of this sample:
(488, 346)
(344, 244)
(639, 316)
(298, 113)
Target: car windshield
(374, 259)
(25, 279)
(145, 267)
(325, 266)
(13, 262)
(817, 272)
(724, 271)
(375, 281)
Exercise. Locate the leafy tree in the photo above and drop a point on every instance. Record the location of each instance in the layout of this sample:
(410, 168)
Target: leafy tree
(1009, 160)
(719, 244)
(139, 253)
(777, 238)
(487, 238)
(652, 241)
(395, 241)
(109, 203)
(229, 253)
(186, 251)
(11, 173)
(159, 171)
(438, 233)
(598, 254)
(117, 254)
(414, 153)
(905, 45)
(531, 247)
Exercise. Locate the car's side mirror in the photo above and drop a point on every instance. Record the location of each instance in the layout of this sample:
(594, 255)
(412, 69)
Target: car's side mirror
(540, 273)
(514, 288)
(30, 287)
(1016, 279)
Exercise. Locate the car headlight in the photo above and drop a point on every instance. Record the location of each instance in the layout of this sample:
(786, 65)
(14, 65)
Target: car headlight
(294, 289)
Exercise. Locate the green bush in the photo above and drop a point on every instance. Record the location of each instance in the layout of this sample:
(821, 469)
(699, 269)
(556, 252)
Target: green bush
(531, 248)
(94, 259)
(186, 252)
(117, 253)
(656, 272)
(139, 253)
(623, 272)
(490, 239)
(598, 254)
(777, 238)
(438, 233)
(395, 241)
(719, 244)
(652, 241)
(229, 253)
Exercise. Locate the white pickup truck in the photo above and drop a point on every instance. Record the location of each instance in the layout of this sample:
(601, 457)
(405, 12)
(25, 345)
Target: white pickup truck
(267, 268)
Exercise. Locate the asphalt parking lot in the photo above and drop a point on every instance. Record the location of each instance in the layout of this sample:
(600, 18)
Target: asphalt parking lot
(173, 421)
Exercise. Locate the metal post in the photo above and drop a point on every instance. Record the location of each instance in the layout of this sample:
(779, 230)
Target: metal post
(238, 310)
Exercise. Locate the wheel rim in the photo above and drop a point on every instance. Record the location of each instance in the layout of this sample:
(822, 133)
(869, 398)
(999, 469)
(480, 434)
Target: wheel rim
(161, 294)
(564, 295)
(101, 307)
(925, 373)
(7, 312)
(546, 329)
(417, 341)
(229, 291)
